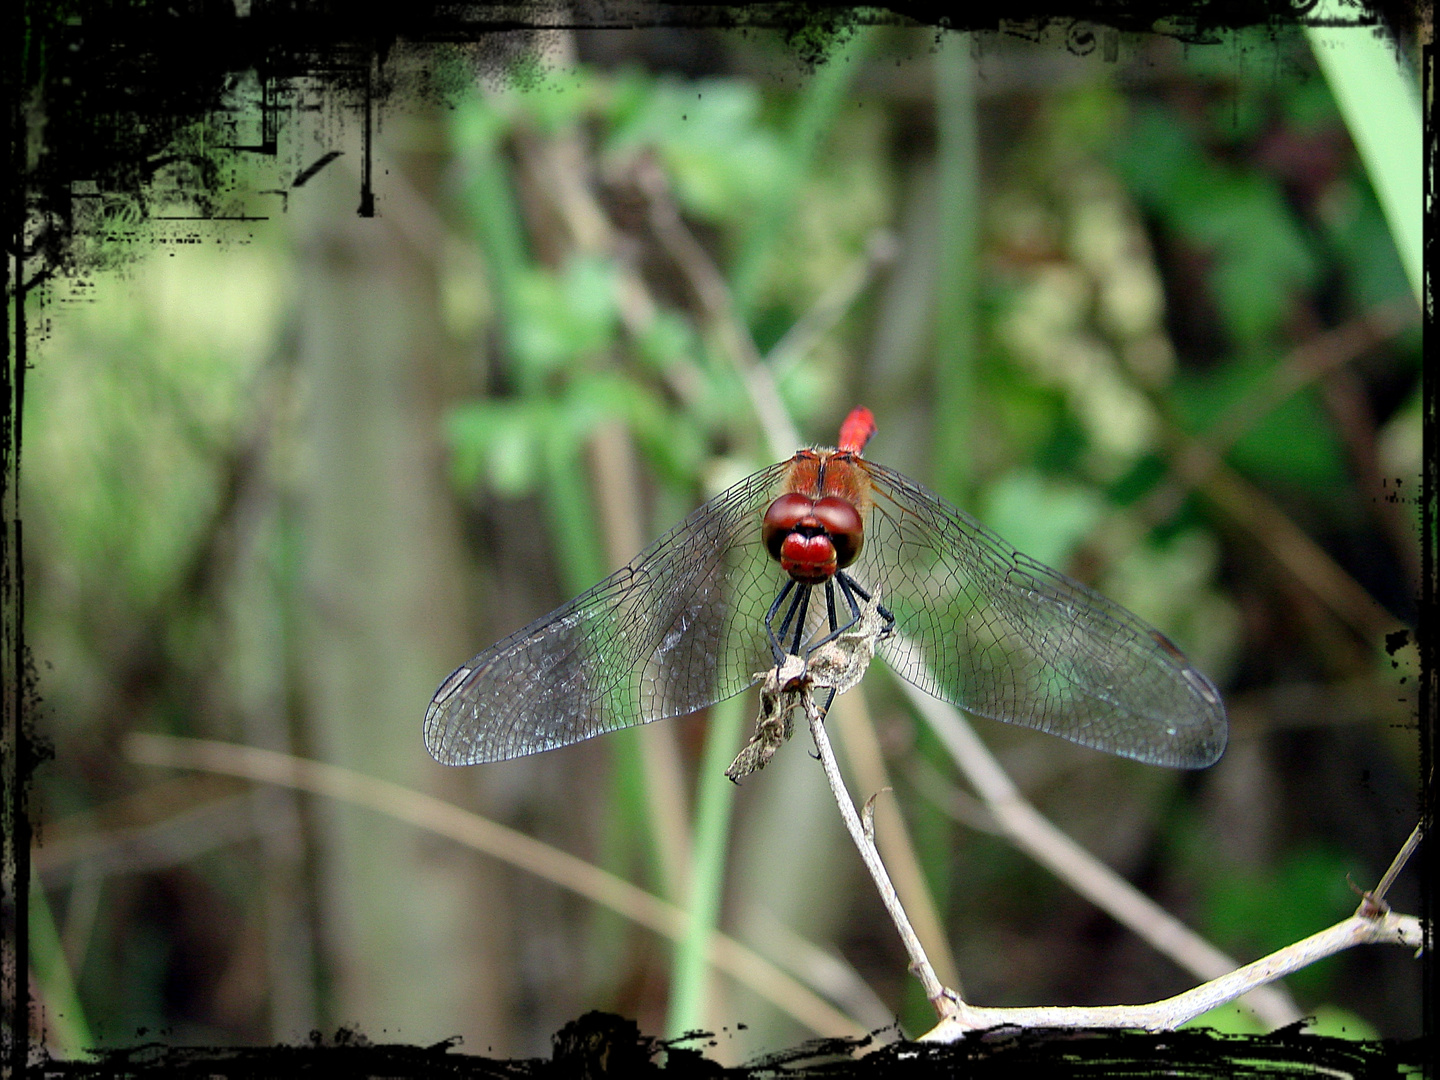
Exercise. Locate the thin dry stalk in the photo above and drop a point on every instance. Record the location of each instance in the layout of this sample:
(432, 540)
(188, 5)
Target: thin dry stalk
(445, 819)
(943, 1000)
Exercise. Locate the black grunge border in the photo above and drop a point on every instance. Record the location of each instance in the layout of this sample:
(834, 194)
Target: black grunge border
(173, 58)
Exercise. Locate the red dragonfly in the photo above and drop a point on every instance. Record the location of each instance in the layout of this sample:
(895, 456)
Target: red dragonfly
(697, 617)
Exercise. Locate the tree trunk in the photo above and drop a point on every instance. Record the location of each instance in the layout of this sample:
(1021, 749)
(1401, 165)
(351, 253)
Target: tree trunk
(414, 926)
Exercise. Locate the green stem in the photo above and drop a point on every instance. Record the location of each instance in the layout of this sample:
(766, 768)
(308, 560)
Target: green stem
(1381, 105)
(956, 275)
(490, 200)
(712, 830)
(814, 116)
(63, 1014)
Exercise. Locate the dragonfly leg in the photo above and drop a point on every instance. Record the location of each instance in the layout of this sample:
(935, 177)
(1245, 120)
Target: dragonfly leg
(775, 648)
(835, 628)
(789, 614)
(849, 584)
(799, 620)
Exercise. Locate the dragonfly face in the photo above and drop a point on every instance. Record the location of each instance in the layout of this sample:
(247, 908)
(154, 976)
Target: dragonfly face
(812, 538)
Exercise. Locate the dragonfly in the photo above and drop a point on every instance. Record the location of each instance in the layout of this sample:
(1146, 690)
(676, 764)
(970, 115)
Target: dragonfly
(783, 562)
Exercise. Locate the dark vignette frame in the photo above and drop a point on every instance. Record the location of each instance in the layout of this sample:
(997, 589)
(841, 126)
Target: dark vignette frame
(80, 50)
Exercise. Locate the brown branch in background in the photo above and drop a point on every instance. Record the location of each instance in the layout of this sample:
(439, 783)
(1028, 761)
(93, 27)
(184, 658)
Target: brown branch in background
(1087, 875)
(1196, 458)
(880, 251)
(1356, 700)
(1197, 463)
(184, 831)
(1309, 563)
(958, 805)
(481, 834)
(148, 661)
(557, 168)
(713, 294)
(560, 171)
(1344, 396)
(618, 503)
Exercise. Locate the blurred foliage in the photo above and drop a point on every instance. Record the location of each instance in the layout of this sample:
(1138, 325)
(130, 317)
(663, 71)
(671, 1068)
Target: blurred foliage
(1266, 909)
(1151, 249)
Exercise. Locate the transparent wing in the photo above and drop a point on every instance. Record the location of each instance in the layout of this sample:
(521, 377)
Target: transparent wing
(999, 634)
(681, 627)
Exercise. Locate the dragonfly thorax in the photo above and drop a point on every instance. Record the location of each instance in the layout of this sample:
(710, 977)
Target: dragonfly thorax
(812, 538)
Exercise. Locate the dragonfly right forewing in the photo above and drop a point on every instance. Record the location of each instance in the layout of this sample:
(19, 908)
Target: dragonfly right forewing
(999, 634)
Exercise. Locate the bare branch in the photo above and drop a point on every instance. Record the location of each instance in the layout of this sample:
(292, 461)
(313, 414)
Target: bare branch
(943, 1000)
(1387, 929)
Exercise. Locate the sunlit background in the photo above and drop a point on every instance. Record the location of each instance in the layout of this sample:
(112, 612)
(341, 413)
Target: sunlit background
(282, 476)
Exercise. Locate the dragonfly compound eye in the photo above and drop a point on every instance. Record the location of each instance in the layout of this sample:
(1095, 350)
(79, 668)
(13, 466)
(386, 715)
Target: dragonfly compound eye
(784, 516)
(843, 526)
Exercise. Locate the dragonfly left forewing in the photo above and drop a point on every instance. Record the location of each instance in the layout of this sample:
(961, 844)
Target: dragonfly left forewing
(680, 627)
(999, 634)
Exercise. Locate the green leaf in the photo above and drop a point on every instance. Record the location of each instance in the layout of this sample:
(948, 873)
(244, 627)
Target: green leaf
(1046, 519)
(667, 340)
(1294, 442)
(1261, 257)
(708, 135)
(562, 318)
(498, 444)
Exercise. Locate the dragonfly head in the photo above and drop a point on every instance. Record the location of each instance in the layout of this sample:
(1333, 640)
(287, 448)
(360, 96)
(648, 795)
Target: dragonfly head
(812, 538)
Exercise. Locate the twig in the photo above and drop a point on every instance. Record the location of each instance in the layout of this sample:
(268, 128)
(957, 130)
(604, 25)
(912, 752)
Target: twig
(958, 805)
(1325, 352)
(445, 819)
(1387, 929)
(1377, 894)
(1197, 463)
(942, 999)
(867, 767)
(1293, 548)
